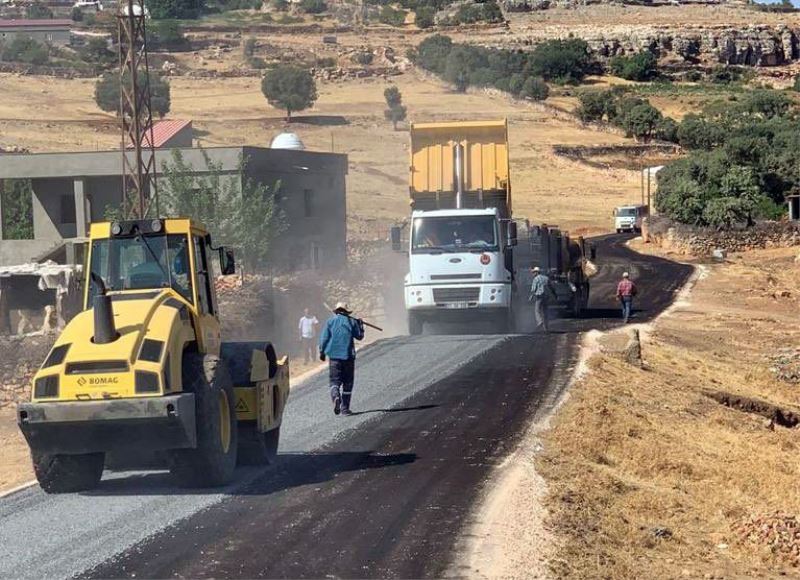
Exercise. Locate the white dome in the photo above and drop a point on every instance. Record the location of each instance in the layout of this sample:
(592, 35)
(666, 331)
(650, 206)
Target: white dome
(287, 141)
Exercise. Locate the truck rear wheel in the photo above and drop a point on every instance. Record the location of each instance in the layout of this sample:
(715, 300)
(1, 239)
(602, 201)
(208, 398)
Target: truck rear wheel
(68, 473)
(213, 461)
(415, 324)
(256, 448)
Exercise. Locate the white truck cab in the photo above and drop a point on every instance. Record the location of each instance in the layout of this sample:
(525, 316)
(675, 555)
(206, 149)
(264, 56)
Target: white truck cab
(457, 266)
(628, 218)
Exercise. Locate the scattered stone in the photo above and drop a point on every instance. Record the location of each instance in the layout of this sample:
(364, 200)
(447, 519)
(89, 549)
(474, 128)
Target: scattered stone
(633, 350)
(776, 534)
(662, 533)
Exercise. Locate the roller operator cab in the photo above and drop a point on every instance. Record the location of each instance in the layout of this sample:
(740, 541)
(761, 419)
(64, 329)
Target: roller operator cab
(143, 368)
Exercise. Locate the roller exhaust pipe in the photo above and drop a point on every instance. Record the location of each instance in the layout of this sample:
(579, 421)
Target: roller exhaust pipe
(104, 329)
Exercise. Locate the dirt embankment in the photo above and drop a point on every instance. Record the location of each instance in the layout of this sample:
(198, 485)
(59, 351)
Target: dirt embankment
(686, 466)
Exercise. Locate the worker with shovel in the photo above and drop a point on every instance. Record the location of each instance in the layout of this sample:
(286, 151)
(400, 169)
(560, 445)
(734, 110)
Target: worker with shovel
(337, 344)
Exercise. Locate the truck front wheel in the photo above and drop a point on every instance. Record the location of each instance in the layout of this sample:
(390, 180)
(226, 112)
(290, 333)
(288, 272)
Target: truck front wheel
(68, 473)
(213, 461)
(415, 324)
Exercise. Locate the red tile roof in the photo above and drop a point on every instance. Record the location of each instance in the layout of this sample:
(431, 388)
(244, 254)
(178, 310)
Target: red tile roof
(62, 23)
(165, 130)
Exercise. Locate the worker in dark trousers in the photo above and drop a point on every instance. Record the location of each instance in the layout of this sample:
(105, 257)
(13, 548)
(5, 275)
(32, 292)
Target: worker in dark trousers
(541, 294)
(337, 344)
(626, 290)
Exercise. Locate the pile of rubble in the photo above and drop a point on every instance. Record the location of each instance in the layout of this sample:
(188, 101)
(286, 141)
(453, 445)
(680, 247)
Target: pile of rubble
(777, 533)
(698, 241)
(785, 365)
(20, 358)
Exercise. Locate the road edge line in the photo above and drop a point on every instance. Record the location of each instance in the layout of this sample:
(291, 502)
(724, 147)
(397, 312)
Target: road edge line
(17, 489)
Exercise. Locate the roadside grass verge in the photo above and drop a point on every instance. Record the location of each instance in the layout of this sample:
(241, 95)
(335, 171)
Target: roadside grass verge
(648, 476)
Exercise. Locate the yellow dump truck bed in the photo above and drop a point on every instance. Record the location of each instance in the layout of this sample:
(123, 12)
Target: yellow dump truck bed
(432, 181)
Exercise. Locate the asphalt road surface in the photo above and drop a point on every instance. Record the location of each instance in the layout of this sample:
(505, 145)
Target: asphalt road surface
(381, 494)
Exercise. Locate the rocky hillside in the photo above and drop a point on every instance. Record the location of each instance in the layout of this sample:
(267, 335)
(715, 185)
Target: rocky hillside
(754, 46)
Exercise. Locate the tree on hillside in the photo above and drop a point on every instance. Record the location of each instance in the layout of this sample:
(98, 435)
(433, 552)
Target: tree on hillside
(638, 67)
(425, 17)
(38, 11)
(167, 35)
(96, 51)
(238, 212)
(166, 9)
(25, 49)
(562, 61)
(396, 111)
(106, 93)
(313, 6)
(290, 88)
(433, 51)
(534, 89)
(17, 202)
(642, 121)
(458, 67)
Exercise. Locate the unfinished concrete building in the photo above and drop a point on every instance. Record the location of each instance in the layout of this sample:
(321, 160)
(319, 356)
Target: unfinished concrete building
(70, 190)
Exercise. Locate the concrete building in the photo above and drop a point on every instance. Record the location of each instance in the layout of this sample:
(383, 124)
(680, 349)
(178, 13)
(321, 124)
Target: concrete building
(69, 190)
(55, 32)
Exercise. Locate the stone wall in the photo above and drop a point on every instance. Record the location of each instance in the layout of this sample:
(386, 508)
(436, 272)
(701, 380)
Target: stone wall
(697, 241)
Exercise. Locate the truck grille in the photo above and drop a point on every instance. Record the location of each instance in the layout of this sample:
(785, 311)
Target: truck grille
(106, 366)
(456, 276)
(446, 295)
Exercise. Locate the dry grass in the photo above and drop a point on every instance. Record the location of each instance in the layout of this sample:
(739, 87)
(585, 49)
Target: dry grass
(60, 115)
(635, 451)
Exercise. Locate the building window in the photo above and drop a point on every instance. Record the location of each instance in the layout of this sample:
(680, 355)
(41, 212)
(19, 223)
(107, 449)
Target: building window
(308, 203)
(68, 209)
(316, 255)
(49, 37)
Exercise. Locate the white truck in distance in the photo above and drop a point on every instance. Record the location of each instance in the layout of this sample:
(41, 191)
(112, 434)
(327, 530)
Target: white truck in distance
(461, 235)
(628, 218)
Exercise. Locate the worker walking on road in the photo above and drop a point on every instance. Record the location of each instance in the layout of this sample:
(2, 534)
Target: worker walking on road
(337, 343)
(308, 330)
(626, 290)
(541, 293)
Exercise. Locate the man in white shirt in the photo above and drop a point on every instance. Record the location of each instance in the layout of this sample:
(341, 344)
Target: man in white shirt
(308, 330)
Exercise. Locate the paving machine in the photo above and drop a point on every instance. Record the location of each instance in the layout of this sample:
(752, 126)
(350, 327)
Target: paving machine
(143, 367)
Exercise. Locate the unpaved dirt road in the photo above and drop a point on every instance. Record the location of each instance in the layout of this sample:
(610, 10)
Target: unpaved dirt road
(382, 494)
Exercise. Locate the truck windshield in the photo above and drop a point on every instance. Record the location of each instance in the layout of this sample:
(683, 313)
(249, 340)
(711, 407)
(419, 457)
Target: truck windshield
(454, 233)
(143, 262)
(626, 212)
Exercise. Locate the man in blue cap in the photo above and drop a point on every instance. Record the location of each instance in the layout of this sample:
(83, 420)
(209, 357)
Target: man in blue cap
(337, 344)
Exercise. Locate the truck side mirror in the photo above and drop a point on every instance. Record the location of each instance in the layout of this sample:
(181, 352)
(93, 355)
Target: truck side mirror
(512, 233)
(394, 236)
(592, 252)
(227, 263)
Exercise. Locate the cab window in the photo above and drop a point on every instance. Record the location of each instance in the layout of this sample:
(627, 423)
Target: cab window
(204, 275)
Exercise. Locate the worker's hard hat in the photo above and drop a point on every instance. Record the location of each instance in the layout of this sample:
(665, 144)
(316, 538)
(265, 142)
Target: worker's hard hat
(626, 275)
(342, 307)
(536, 269)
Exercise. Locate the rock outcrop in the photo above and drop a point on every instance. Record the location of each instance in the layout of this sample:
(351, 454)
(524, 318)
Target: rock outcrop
(753, 46)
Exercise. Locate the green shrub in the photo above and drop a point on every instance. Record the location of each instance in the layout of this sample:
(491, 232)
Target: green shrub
(172, 9)
(106, 92)
(535, 89)
(561, 61)
(364, 57)
(638, 67)
(327, 62)
(167, 35)
(425, 17)
(26, 50)
(313, 6)
(76, 14)
(641, 121)
(96, 51)
(38, 11)
(432, 53)
(392, 16)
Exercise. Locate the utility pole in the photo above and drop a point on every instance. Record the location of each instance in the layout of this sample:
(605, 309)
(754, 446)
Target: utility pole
(139, 188)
